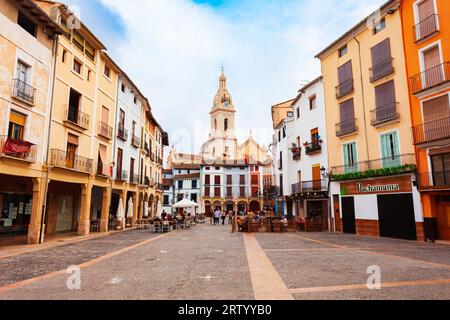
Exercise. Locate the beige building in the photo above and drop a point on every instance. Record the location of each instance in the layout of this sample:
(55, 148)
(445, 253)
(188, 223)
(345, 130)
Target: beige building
(369, 129)
(27, 41)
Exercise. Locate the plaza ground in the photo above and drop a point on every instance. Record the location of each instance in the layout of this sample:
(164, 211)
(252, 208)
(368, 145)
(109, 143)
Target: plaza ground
(209, 262)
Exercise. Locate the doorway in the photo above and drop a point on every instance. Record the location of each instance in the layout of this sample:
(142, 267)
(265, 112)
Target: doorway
(443, 218)
(394, 223)
(337, 213)
(348, 215)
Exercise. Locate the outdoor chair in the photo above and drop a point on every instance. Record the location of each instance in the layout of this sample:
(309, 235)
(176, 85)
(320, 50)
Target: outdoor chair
(95, 226)
(165, 227)
(157, 227)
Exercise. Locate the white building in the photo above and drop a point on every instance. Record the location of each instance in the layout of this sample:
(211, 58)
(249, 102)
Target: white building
(168, 196)
(301, 157)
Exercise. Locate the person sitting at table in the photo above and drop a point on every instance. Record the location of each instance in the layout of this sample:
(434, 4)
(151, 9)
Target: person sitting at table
(284, 221)
(300, 224)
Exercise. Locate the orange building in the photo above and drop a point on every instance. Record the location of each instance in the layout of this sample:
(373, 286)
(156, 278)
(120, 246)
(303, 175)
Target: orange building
(426, 34)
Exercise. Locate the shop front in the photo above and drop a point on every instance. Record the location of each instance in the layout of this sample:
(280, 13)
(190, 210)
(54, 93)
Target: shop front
(383, 207)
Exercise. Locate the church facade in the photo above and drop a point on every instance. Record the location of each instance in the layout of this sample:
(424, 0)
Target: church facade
(232, 175)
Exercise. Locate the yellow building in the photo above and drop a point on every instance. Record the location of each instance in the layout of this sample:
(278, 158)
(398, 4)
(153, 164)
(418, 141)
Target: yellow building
(371, 154)
(27, 42)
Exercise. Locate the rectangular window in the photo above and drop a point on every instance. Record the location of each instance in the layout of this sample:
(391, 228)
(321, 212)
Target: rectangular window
(242, 192)
(123, 88)
(350, 158)
(379, 26)
(180, 184)
(132, 169)
(166, 200)
(107, 71)
(90, 51)
(77, 66)
(290, 114)
(102, 161)
(385, 101)
(427, 23)
(194, 184)
(435, 111)
(390, 150)
(16, 125)
(64, 55)
(194, 197)
(207, 191)
(381, 60)
(72, 146)
(347, 117)
(74, 106)
(217, 192)
(298, 113)
(229, 192)
(242, 179)
(345, 73)
(78, 41)
(229, 180)
(217, 180)
(343, 51)
(27, 24)
(207, 179)
(312, 102)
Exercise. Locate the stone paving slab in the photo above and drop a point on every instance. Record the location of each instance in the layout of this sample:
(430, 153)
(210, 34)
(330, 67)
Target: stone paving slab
(427, 292)
(26, 266)
(204, 263)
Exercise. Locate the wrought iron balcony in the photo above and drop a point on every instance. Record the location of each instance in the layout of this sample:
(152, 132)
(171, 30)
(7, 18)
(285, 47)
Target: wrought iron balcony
(67, 160)
(374, 165)
(135, 141)
(23, 91)
(315, 186)
(102, 169)
(383, 114)
(426, 27)
(104, 130)
(122, 175)
(430, 78)
(346, 127)
(381, 70)
(76, 117)
(345, 88)
(134, 179)
(431, 131)
(312, 148)
(18, 149)
(434, 180)
(122, 133)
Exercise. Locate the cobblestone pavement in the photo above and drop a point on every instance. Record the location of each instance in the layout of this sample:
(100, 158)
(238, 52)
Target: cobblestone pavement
(209, 263)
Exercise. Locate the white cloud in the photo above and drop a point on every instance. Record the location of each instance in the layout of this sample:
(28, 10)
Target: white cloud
(174, 50)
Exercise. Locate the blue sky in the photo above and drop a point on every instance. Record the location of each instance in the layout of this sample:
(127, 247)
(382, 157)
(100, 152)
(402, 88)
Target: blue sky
(174, 49)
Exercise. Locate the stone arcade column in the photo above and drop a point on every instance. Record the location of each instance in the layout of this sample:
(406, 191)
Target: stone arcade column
(106, 201)
(34, 228)
(85, 210)
(135, 209)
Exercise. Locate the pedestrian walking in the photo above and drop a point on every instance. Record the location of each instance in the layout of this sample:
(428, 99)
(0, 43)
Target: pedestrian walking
(230, 217)
(217, 215)
(224, 216)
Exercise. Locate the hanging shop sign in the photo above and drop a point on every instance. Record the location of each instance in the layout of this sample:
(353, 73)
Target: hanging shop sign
(397, 184)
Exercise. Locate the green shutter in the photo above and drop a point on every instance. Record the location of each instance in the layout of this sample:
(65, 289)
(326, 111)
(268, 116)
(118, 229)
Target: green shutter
(390, 155)
(350, 152)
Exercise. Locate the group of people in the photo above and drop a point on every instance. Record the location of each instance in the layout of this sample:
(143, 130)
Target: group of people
(219, 215)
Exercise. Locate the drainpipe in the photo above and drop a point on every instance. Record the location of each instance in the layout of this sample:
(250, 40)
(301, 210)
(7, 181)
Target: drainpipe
(363, 96)
(47, 178)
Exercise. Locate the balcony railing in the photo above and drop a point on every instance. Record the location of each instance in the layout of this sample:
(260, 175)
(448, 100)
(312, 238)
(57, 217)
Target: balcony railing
(75, 116)
(432, 131)
(384, 114)
(310, 186)
(434, 180)
(23, 91)
(344, 88)
(346, 127)
(102, 169)
(312, 148)
(17, 149)
(122, 175)
(378, 164)
(104, 130)
(297, 188)
(134, 178)
(430, 78)
(122, 133)
(66, 160)
(426, 27)
(381, 70)
(135, 141)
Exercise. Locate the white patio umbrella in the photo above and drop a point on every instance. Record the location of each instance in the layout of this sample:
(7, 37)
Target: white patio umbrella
(186, 204)
(146, 209)
(130, 208)
(120, 210)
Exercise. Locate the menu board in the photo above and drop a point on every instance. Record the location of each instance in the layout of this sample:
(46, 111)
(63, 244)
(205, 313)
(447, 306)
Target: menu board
(8, 222)
(28, 208)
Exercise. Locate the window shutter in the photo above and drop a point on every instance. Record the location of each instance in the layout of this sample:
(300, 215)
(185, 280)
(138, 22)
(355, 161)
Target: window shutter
(436, 109)
(346, 154)
(381, 52)
(426, 9)
(345, 72)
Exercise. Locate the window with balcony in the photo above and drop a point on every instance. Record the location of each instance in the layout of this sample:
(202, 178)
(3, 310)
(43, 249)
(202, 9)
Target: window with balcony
(345, 76)
(381, 60)
(22, 90)
(347, 118)
(436, 121)
(386, 106)
(350, 157)
(390, 150)
(119, 172)
(426, 20)
(72, 146)
(102, 165)
(74, 106)
(27, 24)
(13, 145)
(441, 169)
